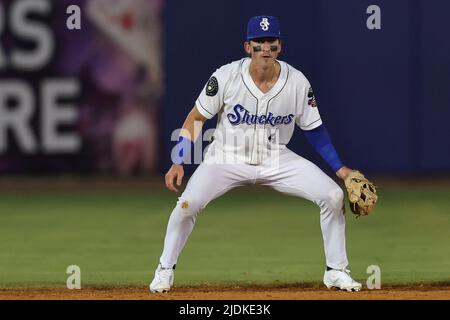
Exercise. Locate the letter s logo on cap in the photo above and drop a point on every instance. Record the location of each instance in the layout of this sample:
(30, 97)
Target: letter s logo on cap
(264, 24)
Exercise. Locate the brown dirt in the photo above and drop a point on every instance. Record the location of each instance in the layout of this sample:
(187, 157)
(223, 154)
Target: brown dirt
(419, 292)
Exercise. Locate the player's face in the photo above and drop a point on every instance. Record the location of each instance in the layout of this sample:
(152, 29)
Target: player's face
(263, 50)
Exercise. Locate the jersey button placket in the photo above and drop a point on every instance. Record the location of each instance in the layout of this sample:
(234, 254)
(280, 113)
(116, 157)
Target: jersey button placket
(258, 142)
(262, 128)
(254, 148)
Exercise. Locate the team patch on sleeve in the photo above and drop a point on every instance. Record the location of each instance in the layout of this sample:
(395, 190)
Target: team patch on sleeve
(311, 98)
(212, 87)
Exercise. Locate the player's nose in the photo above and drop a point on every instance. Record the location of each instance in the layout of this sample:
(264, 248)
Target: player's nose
(265, 46)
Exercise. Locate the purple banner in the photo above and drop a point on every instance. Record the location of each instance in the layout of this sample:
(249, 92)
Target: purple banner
(80, 86)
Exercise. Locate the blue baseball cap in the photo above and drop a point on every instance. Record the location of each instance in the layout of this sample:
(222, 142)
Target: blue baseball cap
(263, 27)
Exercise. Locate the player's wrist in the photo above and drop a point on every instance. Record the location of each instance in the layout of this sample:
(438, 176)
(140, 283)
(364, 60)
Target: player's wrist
(177, 166)
(343, 172)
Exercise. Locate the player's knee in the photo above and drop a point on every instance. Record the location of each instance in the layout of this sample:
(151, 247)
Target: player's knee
(189, 206)
(335, 198)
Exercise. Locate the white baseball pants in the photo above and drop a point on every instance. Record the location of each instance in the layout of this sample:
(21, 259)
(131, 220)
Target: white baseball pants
(289, 173)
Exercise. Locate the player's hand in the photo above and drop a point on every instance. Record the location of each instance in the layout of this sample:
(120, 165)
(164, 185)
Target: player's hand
(176, 172)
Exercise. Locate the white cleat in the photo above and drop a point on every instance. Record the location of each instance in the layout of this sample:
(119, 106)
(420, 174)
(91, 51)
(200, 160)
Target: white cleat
(163, 280)
(340, 279)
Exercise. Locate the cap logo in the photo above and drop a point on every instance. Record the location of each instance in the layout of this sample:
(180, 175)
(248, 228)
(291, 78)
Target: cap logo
(264, 24)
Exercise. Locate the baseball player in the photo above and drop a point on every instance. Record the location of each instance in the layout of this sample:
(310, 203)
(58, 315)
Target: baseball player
(258, 101)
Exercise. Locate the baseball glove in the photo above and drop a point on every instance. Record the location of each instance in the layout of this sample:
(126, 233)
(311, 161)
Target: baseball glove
(362, 194)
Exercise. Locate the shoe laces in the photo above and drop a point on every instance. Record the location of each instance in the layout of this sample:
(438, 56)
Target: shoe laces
(342, 272)
(347, 271)
(164, 274)
(347, 274)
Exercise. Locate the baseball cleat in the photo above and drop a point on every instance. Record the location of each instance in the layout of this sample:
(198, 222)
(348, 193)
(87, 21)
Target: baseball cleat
(340, 279)
(163, 280)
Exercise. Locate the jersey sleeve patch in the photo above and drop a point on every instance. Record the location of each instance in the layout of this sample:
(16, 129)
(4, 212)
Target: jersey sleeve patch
(311, 98)
(212, 87)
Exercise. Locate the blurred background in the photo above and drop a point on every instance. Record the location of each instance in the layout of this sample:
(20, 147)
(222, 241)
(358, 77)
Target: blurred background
(101, 102)
(105, 99)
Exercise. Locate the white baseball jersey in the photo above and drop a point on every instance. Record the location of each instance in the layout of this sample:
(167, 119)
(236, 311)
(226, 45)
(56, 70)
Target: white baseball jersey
(252, 123)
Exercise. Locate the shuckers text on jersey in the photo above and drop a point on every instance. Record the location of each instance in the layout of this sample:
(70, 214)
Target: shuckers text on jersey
(241, 115)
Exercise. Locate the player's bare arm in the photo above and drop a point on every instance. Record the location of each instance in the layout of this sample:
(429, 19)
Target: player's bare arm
(176, 171)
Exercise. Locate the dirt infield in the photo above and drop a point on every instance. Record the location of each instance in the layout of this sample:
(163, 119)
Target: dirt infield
(230, 293)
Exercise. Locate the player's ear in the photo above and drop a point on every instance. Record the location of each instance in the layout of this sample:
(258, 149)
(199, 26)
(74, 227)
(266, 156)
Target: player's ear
(247, 48)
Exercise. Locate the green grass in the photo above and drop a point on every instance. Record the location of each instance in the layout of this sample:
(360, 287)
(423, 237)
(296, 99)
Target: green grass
(249, 236)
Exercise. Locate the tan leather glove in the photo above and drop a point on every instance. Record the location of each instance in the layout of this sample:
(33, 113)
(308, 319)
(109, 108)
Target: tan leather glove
(362, 193)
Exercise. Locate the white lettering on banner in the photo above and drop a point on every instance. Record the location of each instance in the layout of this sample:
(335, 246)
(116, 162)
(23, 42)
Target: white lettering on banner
(30, 60)
(2, 27)
(33, 109)
(16, 117)
(55, 114)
